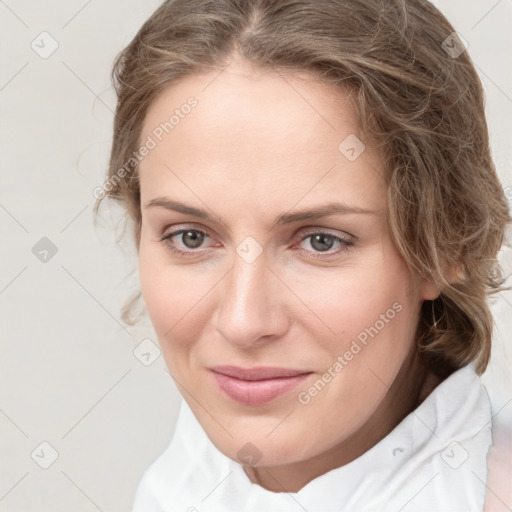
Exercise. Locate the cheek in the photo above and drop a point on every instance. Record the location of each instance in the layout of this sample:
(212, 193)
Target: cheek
(176, 300)
(156, 287)
(373, 316)
(165, 293)
(341, 306)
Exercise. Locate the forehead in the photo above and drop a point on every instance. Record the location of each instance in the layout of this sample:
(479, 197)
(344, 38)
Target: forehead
(263, 131)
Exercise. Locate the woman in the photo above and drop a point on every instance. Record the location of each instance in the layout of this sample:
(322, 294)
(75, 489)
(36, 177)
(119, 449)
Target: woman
(317, 218)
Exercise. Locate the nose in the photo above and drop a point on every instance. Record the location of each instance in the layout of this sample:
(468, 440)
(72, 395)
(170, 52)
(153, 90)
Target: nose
(250, 309)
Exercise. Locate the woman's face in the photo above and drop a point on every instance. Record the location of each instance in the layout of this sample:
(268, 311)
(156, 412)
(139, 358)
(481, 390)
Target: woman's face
(286, 261)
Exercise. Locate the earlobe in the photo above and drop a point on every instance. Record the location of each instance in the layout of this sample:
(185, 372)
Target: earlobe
(430, 291)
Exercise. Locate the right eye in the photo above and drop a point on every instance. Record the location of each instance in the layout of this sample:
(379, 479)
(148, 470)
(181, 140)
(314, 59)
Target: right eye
(184, 241)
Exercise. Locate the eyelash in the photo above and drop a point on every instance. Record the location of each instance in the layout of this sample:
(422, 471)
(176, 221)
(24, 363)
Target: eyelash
(345, 242)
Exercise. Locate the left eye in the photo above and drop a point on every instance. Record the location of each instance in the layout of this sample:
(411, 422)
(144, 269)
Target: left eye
(323, 242)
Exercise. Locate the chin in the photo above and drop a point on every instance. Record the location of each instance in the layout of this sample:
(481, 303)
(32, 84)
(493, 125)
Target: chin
(262, 450)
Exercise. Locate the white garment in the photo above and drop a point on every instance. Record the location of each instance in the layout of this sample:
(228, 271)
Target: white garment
(434, 460)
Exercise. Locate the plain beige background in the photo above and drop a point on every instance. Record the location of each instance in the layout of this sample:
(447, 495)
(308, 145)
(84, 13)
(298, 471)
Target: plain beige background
(72, 375)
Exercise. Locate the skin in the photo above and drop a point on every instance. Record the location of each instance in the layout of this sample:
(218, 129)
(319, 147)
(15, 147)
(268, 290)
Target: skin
(260, 144)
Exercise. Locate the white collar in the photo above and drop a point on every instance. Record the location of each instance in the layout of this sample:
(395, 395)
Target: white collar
(435, 459)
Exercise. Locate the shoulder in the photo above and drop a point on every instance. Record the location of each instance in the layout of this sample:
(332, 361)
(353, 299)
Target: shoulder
(145, 499)
(498, 496)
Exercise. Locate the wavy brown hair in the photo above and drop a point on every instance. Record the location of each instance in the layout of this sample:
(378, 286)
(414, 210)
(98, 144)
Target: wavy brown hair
(421, 104)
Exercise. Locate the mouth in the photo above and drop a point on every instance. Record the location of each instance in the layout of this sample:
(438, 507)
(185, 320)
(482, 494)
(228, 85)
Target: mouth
(256, 386)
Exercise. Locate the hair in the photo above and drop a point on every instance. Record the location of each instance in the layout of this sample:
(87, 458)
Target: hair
(421, 104)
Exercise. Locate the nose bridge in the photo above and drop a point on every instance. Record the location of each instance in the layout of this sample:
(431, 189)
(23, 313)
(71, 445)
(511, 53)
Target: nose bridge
(245, 306)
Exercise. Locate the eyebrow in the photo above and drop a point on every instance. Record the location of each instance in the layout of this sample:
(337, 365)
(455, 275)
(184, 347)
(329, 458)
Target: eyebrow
(284, 218)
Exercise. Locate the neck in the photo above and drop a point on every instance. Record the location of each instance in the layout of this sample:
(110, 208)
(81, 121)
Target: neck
(411, 386)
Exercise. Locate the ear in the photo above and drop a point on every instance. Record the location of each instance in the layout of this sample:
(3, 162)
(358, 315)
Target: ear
(428, 289)
(455, 273)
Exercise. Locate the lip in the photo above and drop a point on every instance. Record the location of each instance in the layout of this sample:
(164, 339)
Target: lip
(256, 386)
